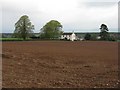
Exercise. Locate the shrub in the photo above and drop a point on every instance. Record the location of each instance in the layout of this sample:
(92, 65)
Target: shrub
(87, 36)
(111, 38)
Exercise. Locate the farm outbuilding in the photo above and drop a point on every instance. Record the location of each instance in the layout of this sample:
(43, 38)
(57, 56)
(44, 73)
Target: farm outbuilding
(69, 36)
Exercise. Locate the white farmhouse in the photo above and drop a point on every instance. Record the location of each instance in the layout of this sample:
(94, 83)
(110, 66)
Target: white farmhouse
(69, 36)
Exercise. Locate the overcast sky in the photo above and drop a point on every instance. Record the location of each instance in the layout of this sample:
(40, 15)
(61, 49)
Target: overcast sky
(74, 15)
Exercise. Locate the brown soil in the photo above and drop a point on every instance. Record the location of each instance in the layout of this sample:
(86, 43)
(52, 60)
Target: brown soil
(51, 64)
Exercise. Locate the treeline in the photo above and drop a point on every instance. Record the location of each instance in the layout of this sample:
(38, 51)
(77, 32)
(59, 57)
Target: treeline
(24, 29)
(52, 30)
(104, 35)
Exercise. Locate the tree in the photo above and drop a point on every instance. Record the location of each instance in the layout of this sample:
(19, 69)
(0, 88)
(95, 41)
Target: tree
(87, 36)
(104, 32)
(23, 28)
(52, 30)
(94, 37)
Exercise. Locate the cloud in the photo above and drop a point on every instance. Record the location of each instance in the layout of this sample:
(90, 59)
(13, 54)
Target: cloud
(73, 14)
(0, 19)
(99, 4)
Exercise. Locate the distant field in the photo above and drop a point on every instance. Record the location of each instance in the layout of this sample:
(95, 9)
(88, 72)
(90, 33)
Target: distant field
(12, 39)
(42, 64)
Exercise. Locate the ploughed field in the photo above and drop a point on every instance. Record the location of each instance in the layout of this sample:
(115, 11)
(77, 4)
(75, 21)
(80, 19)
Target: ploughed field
(54, 64)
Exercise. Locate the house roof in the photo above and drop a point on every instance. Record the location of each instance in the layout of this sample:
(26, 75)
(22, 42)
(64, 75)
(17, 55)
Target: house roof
(66, 33)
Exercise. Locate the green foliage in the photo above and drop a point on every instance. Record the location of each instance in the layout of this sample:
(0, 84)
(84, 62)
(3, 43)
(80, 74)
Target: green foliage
(52, 30)
(111, 38)
(2, 36)
(118, 40)
(23, 28)
(104, 32)
(94, 37)
(87, 36)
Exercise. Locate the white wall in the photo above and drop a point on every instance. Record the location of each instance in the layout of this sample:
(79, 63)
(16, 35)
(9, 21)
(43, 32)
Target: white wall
(73, 37)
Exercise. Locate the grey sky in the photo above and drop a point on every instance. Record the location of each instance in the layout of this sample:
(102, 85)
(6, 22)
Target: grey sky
(73, 14)
(0, 19)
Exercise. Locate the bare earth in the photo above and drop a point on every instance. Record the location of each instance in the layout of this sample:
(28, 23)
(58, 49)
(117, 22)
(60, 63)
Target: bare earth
(54, 64)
